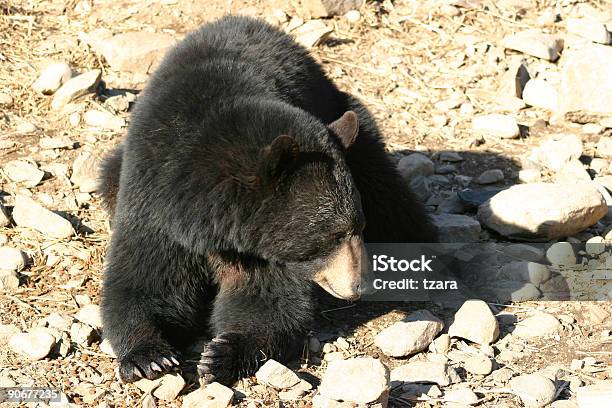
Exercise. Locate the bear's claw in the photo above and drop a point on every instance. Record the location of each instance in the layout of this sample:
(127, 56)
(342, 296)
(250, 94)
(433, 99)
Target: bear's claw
(150, 361)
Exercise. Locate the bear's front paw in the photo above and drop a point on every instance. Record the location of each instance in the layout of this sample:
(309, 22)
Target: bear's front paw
(149, 361)
(222, 359)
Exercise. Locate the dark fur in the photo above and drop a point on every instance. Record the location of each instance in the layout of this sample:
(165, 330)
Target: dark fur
(214, 230)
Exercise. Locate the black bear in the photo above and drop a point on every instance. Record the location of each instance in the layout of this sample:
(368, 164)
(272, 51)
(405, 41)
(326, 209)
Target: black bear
(246, 176)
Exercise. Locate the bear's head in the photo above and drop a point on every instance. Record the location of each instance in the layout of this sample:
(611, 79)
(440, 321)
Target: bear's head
(298, 205)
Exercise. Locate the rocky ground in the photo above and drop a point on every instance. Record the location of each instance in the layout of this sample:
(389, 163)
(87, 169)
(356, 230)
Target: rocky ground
(474, 97)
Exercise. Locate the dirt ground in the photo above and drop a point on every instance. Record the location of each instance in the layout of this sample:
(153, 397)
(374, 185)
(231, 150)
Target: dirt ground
(401, 59)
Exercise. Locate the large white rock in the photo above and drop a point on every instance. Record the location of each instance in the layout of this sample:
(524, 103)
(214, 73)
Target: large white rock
(535, 390)
(52, 77)
(538, 325)
(543, 211)
(138, 52)
(535, 43)
(496, 124)
(357, 380)
(425, 372)
(586, 83)
(28, 213)
(76, 87)
(474, 321)
(411, 335)
(12, 259)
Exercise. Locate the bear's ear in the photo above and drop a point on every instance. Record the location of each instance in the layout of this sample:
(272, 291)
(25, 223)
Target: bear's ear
(346, 128)
(280, 155)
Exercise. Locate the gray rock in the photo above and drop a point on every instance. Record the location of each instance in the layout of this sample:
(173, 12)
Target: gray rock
(524, 271)
(590, 29)
(28, 213)
(12, 259)
(452, 205)
(415, 164)
(85, 172)
(538, 325)
(473, 198)
(21, 171)
(52, 77)
(490, 176)
(425, 372)
(213, 395)
(474, 321)
(586, 83)
(276, 375)
(533, 389)
(170, 387)
(552, 210)
(535, 43)
(541, 94)
(456, 228)
(561, 253)
(35, 345)
(357, 380)
(595, 246)
(75, 87)
(409, 336)
(452, 157)
(446, 169)
(524, 252)
(495, 124)
(420, 186)
(329, 8)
